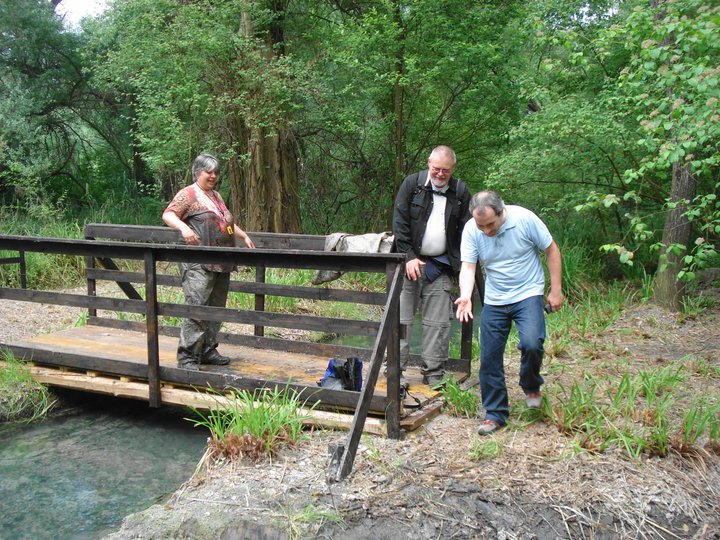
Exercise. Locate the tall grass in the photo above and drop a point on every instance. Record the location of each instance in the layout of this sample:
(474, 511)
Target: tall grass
(22, 399)
(52, 220)
(640, 414)
(253, 425)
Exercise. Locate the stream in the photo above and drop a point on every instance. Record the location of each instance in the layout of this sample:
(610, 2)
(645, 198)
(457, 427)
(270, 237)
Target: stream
(77, 474)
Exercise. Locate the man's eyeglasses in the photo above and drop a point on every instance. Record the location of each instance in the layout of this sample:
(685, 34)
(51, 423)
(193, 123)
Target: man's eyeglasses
(439, 170)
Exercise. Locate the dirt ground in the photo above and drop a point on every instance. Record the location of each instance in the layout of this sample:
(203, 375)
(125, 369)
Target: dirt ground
(426, 485)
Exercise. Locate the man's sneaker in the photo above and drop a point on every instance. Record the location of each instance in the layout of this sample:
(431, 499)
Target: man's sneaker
(533, 400)
(488, 426)
(215, 358)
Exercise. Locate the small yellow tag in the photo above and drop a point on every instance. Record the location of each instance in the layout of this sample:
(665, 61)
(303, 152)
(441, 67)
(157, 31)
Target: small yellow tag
(230, 230)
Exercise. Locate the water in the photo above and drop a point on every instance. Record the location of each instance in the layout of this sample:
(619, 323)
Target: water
(77, 475)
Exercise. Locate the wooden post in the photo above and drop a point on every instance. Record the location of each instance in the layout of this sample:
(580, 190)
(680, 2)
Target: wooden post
(392, 410)
(343, 456)
(466, 335)
(91, 283)
(151, 320)
(260, 277)
(466, 340)
(23, 269)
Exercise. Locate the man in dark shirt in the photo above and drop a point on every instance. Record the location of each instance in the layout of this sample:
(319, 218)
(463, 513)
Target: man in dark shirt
(431, 210)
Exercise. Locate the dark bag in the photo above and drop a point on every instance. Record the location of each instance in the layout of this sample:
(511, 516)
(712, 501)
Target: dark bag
(434, 266)
(343, 374)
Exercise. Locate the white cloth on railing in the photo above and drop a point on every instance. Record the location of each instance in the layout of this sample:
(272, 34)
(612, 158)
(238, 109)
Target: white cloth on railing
(353, 243)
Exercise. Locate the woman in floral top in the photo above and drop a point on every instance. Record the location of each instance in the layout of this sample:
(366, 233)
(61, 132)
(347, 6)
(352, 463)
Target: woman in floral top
(199, 213)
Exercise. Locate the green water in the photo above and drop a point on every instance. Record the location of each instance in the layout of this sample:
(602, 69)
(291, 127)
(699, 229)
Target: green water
(76, 476)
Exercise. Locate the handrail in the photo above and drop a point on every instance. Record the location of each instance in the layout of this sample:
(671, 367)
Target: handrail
(151, 254)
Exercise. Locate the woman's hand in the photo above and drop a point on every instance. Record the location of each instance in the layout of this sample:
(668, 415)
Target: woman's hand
(191, 239)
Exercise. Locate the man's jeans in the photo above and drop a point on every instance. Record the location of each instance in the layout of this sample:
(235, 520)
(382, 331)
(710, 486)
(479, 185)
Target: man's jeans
(202, 288)
(436, 305)
(495, 323)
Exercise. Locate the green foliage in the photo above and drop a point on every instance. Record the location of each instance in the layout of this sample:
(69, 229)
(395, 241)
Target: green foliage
(22, 400)
(487, 448)
(459, 402)
(640, 414)
(254, 424)
(367, 136)
(194, 81)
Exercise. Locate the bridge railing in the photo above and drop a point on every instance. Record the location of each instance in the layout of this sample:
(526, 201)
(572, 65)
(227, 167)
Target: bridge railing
(146, 303)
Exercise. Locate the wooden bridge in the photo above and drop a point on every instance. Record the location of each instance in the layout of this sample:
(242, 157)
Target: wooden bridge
(117, 355)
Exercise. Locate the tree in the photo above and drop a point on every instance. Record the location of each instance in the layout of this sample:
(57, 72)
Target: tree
(270, 175)
(200, 77)
(627, 129)
(672, 82)
(392, 80)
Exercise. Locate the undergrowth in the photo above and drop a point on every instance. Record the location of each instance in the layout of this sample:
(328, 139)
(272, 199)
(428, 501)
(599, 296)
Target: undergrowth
(252, 425)
(641, 413)
(459, 402)
(22, 399)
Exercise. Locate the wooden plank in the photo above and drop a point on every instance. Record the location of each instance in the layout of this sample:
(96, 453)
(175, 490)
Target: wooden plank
(250, 287)
(392, 414)
(131, 233)
(265, 318)
(75, 361)
(73, 300)
(421, 416)
(315, 260)
(181, 396)
(142, 233)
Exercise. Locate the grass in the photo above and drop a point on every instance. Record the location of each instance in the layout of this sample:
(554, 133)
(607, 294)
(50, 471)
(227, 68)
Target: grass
(640, 414)
(22, 399)
(309, 517)
(459, 402)
(252, 425)
(486, 448)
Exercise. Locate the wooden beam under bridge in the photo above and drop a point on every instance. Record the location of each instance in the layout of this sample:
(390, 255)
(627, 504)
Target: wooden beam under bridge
(202, 400)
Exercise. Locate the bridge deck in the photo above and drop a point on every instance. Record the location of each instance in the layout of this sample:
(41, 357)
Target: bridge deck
(129, 347)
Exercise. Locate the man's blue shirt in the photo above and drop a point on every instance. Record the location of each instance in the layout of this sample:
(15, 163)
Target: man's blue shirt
(511, 258)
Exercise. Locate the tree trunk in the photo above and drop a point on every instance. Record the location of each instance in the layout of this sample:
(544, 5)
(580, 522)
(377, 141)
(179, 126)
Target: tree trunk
(273, 201)
(668, 290)
(398, 98)
(264, 191)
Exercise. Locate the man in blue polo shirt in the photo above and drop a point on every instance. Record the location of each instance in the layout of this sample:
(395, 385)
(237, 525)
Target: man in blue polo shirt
(507, 241)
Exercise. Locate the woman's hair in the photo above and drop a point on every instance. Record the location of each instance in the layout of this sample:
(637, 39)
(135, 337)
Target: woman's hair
(205, 162)
(487, 199)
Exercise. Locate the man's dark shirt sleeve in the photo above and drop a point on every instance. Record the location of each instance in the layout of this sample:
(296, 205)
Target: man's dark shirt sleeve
(401, 218)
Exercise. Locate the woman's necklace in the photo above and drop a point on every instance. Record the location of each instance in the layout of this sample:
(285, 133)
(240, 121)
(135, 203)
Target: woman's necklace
(216, 206)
